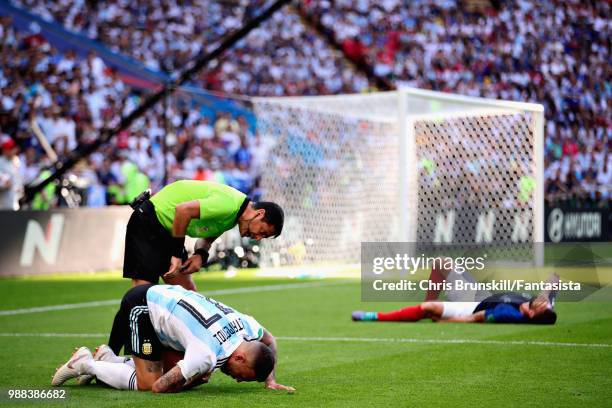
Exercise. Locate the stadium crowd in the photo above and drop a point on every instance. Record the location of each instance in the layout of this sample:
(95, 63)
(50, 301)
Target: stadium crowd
(282, 57)
(67, 100)
(552, 52)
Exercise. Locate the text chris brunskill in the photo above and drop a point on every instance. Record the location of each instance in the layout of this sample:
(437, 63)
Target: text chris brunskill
(509, 285)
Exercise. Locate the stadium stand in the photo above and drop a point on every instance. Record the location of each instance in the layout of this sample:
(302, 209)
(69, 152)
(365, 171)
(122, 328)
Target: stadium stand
(282, 57)
(481, 48)
(69, 99)
(550, 52)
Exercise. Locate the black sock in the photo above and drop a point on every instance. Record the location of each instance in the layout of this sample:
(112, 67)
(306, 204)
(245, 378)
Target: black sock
(118, 335)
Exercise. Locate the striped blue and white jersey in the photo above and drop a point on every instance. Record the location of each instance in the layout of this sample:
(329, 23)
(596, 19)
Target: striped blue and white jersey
(207, 331)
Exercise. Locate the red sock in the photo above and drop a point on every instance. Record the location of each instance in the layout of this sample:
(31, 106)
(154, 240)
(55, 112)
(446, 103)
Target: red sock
(407, 314)
(435, 277)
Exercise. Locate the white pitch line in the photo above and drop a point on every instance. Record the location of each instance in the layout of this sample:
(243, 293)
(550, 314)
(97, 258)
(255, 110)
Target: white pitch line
(59, 307)
(363, 340)
(79, 335)
(248, 289)
(445, 341)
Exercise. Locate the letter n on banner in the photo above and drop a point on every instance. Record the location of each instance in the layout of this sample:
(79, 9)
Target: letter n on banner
(485, 227)
(46, 243)
(444, 227)
(520, 231)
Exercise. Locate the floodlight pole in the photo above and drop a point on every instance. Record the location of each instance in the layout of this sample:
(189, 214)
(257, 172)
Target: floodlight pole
(61, 166)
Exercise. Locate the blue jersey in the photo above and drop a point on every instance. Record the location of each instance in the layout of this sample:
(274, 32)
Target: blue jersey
(503, 308)
(207, 331)
(504, 313)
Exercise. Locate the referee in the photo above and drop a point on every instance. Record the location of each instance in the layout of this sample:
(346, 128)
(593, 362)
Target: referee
(155, 236)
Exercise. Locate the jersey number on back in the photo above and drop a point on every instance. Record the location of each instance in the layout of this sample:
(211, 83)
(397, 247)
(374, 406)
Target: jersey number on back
(206, 322)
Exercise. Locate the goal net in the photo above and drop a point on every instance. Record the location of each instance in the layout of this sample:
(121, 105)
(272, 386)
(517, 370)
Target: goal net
(409, 166)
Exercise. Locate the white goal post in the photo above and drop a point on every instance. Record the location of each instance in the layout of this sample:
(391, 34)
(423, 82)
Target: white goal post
(409, 166)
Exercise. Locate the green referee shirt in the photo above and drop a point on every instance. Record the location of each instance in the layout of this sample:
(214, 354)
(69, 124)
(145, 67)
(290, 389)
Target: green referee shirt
(220, 206)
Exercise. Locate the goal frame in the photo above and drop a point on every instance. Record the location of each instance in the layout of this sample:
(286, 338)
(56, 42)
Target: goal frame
(409, 106)
(408, 173)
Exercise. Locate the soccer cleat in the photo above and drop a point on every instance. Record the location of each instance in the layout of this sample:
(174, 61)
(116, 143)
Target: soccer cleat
(104, 353)
(101, 354)
(359, 316)
(72, 368)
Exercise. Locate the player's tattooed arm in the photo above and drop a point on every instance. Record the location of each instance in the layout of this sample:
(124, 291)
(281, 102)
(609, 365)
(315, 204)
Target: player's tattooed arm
(172, 381)
(269, 340)
(196, 380)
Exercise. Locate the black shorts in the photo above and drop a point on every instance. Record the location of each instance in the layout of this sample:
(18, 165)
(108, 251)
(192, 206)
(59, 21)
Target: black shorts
(148, 246)
(142, 341)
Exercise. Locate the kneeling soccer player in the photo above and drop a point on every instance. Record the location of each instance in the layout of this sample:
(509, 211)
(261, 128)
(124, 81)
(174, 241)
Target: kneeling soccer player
(210, 334)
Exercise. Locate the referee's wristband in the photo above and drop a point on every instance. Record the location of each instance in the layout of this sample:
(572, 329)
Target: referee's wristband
(178, 246)
(203, 254)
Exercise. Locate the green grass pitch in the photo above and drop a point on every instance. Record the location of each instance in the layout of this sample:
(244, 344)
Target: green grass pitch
(329, 359)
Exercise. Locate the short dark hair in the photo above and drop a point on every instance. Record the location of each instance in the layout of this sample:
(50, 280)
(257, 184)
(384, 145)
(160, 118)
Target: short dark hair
(274, 215)
(548, 316)
(264, 361)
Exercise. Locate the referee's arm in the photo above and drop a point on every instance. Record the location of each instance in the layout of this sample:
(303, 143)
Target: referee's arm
(184, 213)
(199, 257)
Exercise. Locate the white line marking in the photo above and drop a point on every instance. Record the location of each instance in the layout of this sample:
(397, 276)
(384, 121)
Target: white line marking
(248, 289)
(58, 307)
(446, 341)
(79, 335)
(364, 340)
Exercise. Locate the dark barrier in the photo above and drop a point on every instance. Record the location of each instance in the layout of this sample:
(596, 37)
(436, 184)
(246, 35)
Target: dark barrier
(475, 224)
(69, 240)
(469, 224)
(567, 224)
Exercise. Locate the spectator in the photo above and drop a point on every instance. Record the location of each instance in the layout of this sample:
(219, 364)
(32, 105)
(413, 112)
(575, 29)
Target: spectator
(11, 187)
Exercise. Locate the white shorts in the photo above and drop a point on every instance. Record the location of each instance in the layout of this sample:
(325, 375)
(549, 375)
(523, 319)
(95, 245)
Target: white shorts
(464, 295)
(458, 309)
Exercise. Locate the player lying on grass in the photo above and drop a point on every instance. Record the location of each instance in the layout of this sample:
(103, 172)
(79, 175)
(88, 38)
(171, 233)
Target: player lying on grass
(499, 308)
(484, 307)
(210, 334)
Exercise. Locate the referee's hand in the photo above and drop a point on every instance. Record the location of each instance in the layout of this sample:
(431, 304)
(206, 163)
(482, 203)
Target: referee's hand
(191, 265)
(175, 267)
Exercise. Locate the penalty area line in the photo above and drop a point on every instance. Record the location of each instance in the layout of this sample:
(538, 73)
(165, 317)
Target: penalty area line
(363, 340)
(111, 302)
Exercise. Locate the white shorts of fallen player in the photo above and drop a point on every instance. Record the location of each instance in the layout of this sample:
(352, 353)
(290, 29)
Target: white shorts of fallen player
(464, 295)
(458, 309)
